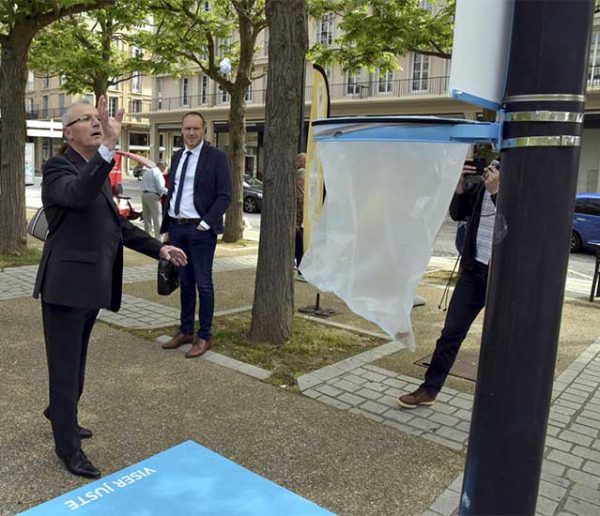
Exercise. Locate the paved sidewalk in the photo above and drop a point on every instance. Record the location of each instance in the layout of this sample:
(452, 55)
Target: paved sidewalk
(571, 472)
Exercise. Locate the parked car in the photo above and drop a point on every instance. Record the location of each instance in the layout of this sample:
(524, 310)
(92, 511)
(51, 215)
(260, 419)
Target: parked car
(586, 221)
(252, 194)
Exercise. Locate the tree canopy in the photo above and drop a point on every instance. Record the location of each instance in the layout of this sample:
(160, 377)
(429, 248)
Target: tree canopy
(373, 33)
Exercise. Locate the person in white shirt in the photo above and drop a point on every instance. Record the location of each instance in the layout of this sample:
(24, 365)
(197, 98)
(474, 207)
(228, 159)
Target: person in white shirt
(199, 194)
(475, 202)
(153, 188)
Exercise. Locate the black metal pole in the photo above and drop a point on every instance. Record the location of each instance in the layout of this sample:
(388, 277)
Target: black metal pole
(302, 137)
(544, 97)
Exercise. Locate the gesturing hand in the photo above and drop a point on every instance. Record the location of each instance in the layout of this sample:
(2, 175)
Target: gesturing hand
(111, 127)
(173, 254)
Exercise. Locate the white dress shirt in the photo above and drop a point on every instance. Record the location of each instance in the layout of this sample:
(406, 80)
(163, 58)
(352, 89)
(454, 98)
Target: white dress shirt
(153, 181)
(187, 210)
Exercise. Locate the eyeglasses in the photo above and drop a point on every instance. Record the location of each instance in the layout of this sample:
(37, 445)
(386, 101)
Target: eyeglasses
(83, 118)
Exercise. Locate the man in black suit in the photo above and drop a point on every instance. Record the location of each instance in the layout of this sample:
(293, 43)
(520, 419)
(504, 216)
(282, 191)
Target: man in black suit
(199, 194)
(82, 264)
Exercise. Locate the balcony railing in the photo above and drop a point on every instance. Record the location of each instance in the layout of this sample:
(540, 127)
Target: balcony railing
(374, 89)
(359, 90)
(134, 113)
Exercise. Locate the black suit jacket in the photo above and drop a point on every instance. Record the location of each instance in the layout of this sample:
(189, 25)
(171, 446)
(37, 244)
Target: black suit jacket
(212, 187)
(82, 260)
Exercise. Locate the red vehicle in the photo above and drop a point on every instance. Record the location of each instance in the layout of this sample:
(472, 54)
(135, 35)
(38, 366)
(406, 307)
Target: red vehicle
(116, 177)
(116, 185)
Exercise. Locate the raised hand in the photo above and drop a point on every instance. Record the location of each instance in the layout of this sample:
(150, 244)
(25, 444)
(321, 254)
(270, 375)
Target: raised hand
(111, 127)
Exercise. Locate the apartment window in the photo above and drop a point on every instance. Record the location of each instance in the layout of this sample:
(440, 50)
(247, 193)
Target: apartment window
(136, 80)
(29, 105)
(594, 68)
(61, 103)
(45, 106)
(352, 87)
(61, 80)
(384, 82)
(427, 5)
(113, 84)
(420, 75)
(224, 46)
(136, 83)
(203, 89)
(185, 92)
(207, 6)
(45, 82)
(88, 98)
(224, 96)
(325, 30)
(248, 94)
(30, 79)
(266, 41)
(158, 90)
(113, 106)
(136, 106)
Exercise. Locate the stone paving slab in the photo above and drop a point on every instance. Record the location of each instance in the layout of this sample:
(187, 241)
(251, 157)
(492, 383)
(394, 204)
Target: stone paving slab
(16, 282)
(570, 478)
(224, 361)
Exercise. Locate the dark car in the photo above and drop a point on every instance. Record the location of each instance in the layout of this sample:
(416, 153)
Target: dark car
(586, 221)
(252, 194)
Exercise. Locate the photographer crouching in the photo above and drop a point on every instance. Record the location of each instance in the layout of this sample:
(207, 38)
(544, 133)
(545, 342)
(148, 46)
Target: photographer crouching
(475, 201)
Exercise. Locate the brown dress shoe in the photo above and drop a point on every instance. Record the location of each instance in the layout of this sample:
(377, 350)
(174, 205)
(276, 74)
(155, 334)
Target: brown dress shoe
(199, 347)
(178, 340)
(417, 398)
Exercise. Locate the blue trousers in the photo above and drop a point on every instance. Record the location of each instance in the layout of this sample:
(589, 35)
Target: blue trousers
(199, 246)
(467, 301)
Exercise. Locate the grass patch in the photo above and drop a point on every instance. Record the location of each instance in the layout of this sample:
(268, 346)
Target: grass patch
(311, 346)
(30, 256)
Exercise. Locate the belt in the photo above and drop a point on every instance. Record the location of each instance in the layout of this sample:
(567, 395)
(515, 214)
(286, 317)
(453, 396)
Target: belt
(188, 221)
(150, 191)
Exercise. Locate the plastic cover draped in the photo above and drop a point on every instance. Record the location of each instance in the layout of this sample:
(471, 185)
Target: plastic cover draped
(384, 206)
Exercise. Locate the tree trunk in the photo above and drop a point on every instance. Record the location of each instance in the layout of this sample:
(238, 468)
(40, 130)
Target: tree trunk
(13, 78)
(273, 308)
(234, 229)
(100, 88)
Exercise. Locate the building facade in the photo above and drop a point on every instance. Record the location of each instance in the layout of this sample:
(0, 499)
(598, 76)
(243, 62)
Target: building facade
(155, 105)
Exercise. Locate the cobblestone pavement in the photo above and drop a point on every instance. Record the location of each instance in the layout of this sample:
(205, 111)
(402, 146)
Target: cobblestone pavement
(18, 282)
(571, 471)
(570, 482)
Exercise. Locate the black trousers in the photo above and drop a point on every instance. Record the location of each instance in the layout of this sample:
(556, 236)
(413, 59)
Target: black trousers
(67, 333)
(467, 301)
(299, 246)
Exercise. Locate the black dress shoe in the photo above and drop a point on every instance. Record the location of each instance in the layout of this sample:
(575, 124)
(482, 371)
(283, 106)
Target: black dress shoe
(84, 433)
(79, 464)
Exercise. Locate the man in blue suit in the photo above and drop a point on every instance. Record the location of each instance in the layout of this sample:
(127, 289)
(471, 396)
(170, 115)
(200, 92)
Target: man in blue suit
(198, 197)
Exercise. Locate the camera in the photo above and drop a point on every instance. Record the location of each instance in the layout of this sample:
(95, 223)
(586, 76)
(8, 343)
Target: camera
(480, 165)
(476, 176)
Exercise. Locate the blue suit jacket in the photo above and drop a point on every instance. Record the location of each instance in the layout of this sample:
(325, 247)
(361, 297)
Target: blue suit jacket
(212, 187)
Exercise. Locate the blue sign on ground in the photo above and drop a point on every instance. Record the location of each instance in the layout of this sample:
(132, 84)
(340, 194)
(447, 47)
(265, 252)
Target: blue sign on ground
(187, 479)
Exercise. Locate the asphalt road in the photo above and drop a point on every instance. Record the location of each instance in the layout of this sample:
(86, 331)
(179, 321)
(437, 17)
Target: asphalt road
(581, 265)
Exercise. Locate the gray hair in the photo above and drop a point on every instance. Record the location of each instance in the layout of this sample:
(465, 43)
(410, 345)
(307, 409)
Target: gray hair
(66, 117)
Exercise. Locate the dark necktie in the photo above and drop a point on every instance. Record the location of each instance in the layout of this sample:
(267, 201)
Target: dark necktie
(181, 182)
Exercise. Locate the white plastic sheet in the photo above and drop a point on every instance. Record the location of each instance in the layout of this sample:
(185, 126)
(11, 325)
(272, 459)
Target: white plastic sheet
(384, 206)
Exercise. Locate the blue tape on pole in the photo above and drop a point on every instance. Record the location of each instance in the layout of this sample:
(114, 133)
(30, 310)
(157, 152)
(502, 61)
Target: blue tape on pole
(405, 129)
(185, 480)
